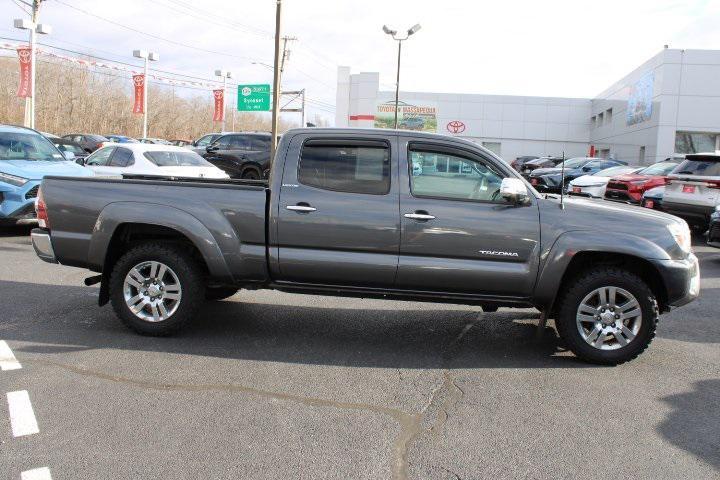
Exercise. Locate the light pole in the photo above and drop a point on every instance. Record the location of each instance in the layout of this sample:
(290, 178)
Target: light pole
(225, 75)
(35, 28)
(392, 33)
(146, 56)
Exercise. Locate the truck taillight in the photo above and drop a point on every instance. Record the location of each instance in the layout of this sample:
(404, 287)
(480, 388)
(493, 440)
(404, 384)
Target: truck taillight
(41, 211)
(713, 183)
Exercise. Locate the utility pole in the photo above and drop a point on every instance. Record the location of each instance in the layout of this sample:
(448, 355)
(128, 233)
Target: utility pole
(276, 80)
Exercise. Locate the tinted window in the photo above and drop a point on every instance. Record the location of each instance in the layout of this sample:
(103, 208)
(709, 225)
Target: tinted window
(238, 142)
(121, 158)
(258, 143)
(176, 159)
(97, 138)
(453, 177)
(573, 163)
(359, 168)
(68, 147)
(207, 140)
(708, 168)
(101, 157)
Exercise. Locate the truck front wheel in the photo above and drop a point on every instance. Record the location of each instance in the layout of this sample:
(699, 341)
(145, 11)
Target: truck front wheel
(607, 315)
(156, 288)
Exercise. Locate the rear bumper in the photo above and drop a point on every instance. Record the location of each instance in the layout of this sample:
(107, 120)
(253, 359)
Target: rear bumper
(42, 243)
(694, 214)
(681, 279)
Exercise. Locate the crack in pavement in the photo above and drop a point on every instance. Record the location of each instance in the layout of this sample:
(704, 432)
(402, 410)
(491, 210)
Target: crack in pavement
(411, 425)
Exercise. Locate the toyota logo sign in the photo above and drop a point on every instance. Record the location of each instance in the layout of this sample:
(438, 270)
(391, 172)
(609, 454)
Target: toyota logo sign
(456, 126)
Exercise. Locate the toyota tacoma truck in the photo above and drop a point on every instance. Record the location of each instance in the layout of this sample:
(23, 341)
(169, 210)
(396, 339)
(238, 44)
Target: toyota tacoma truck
(374, 214)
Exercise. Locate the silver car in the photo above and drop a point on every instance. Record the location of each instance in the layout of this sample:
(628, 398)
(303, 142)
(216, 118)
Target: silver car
(694, 189)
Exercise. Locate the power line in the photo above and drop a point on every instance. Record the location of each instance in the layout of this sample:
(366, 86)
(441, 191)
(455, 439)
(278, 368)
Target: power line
(205, 18)
(150, 35)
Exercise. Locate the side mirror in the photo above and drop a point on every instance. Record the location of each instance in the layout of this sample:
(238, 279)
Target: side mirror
(514, 191)
(68, 155)
(586, 169)
(212, 148)
(80, 161)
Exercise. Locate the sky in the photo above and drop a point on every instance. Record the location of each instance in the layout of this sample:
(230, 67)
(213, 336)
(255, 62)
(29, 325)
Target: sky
(566, 48)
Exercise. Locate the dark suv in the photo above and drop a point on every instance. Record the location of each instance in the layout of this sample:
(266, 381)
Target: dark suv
(241, 155)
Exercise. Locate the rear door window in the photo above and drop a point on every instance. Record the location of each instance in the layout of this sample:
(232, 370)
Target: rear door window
(121, 158)
(353, 167)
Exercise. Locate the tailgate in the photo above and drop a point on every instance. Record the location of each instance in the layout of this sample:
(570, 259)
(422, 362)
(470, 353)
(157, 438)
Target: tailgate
(691, 191)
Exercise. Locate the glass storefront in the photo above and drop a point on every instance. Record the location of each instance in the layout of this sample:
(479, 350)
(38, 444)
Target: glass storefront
(695, 142)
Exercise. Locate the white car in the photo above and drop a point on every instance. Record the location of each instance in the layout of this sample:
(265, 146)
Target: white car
(120, 159)
(594, 185)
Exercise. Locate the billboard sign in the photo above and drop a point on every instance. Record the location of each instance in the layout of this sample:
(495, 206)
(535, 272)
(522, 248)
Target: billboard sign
(411, 116)
(639, 105)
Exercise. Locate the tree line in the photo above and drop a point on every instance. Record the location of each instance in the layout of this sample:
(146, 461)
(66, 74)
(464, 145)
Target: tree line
(77, 99)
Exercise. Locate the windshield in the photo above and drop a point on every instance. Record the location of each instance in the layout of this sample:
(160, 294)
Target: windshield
(612, 171)
(76, 149)
(662, 168)
(573, 163)
(176, 159)
(27, 146)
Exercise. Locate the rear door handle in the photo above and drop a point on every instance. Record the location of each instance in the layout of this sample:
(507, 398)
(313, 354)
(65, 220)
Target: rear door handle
(419, 216)
(301, 208)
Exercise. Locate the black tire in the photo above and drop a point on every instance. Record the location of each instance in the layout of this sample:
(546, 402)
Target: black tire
(220, 293)
(190, 277)
(250, 174)
(584, 284)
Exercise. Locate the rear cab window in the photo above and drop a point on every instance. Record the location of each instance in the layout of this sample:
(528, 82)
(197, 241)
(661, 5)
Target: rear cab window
(351, 166)
(701, 165)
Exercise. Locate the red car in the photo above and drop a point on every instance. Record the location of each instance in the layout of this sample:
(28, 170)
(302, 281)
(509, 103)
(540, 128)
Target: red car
(630, 187)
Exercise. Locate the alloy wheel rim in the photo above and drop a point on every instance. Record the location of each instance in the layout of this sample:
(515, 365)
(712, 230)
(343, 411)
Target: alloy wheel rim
(609, 318)
(152, 291)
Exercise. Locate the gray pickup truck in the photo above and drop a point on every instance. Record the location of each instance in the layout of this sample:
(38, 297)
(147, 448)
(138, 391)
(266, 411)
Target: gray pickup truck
(374, 213)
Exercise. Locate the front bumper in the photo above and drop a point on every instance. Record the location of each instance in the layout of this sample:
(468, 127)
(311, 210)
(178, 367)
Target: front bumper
(714, 232)
(681, 279)
(42, 243)
(18, 203)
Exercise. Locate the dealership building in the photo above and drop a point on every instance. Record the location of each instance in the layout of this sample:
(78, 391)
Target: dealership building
(670, 104)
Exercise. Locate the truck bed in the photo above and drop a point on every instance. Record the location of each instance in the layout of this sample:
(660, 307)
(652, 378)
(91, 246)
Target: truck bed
(225, 217)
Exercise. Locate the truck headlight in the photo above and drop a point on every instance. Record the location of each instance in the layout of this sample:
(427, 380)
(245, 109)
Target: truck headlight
(13, 179)
(681, 234)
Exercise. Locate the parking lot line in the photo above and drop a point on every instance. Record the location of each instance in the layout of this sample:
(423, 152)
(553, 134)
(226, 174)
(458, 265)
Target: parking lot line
(22, 417)
(7, 359)
(42, 473)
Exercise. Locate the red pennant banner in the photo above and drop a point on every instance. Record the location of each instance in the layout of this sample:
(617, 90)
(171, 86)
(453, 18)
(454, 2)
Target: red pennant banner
(219, 114)
(25, 86)
(139, 84)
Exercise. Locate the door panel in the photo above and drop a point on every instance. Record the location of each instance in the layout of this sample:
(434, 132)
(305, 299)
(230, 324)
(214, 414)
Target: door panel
(458, 237)
(338, 220)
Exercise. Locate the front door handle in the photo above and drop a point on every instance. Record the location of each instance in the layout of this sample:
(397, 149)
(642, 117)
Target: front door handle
(301, 208)
(420, 216)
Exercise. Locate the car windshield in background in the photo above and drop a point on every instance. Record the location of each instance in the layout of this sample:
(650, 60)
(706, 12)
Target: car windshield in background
(707, 168)
(96, 138)
(176, 159)
(76, 149)
(27, 146)
(662, 168)
(573, 163)
(612, 171)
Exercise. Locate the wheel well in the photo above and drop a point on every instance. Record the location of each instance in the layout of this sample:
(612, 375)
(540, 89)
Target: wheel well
(583, 261)
(127, 235)
(251, 166)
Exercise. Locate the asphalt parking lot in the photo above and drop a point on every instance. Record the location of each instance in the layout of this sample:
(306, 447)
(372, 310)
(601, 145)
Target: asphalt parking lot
(272, 385)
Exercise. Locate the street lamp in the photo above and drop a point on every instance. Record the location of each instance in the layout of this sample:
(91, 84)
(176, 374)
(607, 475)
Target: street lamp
(35, 28)
(393, 34)
(147, 56)
(225, 75)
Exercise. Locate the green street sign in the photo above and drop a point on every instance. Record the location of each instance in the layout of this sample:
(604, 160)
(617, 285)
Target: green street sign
(253, 98)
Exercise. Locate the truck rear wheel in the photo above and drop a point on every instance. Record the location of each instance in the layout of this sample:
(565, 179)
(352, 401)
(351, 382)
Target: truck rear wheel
(156, 288)
(607, 315)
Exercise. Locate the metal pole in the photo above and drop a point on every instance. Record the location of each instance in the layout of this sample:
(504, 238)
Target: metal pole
(145, 95)
(224, 101)
(33, 34)
(397, 85)
(302, 125)
(276, 82)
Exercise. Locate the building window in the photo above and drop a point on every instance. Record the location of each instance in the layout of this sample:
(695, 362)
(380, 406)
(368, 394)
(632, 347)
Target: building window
(608, 116)
(601, 119)
(641, 157)
(695, 142)
(493, 147)
(593, 121)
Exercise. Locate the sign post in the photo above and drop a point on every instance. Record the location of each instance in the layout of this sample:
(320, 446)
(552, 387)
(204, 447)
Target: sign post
(253, 98)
